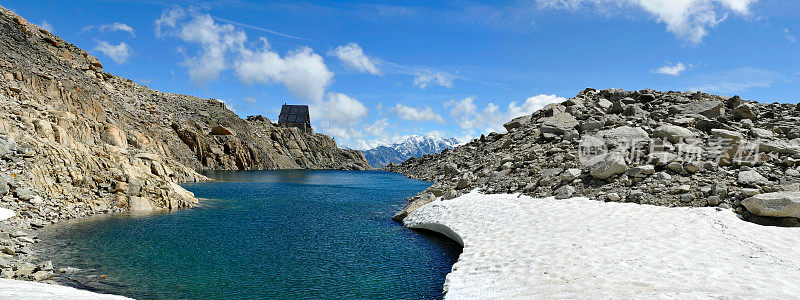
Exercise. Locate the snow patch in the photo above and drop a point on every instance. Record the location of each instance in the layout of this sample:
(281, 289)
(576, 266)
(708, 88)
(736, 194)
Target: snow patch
(17, 289)
(6, 213)
(522, 247)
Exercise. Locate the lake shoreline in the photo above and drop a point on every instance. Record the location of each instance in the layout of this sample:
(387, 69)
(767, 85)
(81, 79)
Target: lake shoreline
(379, 216)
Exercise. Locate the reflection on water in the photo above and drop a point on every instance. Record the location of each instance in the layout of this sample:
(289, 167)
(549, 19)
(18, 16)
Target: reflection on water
(268, 234)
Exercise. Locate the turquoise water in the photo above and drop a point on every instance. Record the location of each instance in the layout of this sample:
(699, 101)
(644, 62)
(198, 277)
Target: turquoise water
(267, 234)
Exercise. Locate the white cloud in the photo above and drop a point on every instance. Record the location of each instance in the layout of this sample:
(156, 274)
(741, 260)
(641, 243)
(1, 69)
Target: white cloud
(46, 26)
(377, 128)
(118, 53)
(738, 80)
(424, 78)
(215, 42)
(491, 118)
(354, 58)
(223, 46)
(340, 116)
(687, 19)
(673, 70)
(169, 20)
(111, 27)
(531, 105)
(302, 71)
(339, 109)
(466, 113)
(789, 36)
(417, 114)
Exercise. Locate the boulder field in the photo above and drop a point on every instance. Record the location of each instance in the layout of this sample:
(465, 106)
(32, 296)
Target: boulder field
(674, 149)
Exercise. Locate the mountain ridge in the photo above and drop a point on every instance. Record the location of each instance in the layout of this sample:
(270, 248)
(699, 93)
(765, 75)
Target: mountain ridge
(412, 146)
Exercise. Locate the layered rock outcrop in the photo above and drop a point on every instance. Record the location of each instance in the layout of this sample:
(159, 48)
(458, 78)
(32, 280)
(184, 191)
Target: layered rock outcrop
(648, 147)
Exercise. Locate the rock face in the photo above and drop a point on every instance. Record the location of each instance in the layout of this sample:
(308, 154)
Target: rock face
(648, 147)
(75, 140)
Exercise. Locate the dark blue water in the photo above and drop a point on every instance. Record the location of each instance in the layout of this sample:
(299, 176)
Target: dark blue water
(266, 234)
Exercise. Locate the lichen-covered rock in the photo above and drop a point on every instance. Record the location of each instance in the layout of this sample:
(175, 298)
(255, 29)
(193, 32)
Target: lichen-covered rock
(673, 133)
(612, 165)
(777, 204)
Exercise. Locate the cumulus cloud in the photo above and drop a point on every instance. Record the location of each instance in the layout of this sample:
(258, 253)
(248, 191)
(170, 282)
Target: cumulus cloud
(354, 58)
(340, 116)
(110, 28)
(118, 53)
(673, 70)
(302, 71)
(377, 128)
(223, 46)
(215, 41)
(491, 118)
(169, 20)
(531, 105)
(417, 114)
(687, 19)
(424, 78)
(339, 109)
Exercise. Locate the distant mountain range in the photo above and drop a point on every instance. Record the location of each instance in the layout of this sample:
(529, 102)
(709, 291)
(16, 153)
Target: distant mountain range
(414, 146)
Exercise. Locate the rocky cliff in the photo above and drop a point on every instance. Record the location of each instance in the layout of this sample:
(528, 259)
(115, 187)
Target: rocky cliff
(648, 147)
(75, 140)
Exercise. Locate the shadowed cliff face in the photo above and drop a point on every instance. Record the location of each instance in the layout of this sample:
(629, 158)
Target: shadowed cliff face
(75, 140)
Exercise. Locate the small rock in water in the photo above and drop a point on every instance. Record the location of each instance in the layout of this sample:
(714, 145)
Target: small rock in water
(68, 270)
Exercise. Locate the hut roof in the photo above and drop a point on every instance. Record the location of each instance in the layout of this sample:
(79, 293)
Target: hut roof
(294, 114)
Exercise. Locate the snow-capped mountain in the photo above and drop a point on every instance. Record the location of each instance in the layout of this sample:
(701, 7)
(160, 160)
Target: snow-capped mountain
(414, 146)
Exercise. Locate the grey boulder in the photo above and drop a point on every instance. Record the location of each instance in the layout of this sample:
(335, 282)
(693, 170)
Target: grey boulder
(778, 204)
(613, 164)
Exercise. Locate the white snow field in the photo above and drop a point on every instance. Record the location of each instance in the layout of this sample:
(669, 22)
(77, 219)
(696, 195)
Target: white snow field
(17, 289)
(522, 247)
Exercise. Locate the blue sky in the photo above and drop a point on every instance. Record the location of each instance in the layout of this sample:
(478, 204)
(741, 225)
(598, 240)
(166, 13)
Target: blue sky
(374, 72)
